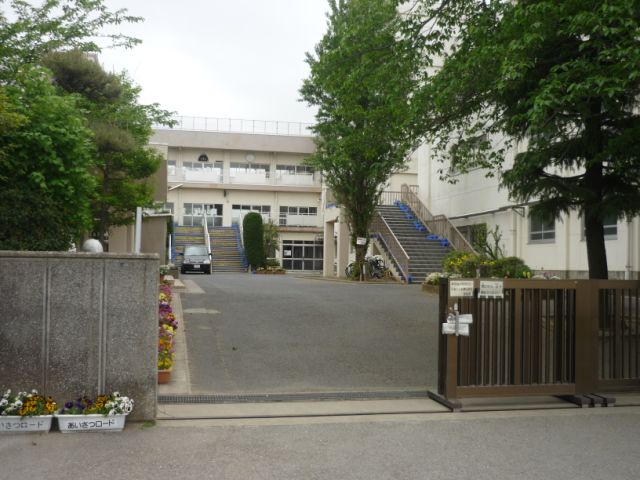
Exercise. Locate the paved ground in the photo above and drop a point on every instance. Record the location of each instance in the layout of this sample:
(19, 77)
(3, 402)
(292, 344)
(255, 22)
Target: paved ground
(276, 334)
(584, 444)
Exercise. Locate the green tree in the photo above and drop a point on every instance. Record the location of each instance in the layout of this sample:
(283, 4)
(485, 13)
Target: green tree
(252, 238)
(559, 80)
(363, 73)
(271, 238)
(45, 186)
(46, 149)
(32, 31)
(122, 128)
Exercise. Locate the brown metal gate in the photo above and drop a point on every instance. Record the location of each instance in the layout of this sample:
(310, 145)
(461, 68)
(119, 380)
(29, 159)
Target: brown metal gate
(544, 337)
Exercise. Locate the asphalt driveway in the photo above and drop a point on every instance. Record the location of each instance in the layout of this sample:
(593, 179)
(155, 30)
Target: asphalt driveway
(285, 334)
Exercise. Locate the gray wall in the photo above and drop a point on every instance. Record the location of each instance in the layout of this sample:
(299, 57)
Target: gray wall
(80, 323)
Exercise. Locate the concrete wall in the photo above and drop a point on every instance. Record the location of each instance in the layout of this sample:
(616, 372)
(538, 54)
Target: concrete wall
(77, 323)
(234, 141)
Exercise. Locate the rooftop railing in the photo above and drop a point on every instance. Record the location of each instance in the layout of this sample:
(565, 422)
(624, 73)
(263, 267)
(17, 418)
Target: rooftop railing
(239, 125)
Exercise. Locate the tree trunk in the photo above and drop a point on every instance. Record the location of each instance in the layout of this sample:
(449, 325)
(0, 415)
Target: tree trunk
(361, 252)
(596, 251)
(593, 180)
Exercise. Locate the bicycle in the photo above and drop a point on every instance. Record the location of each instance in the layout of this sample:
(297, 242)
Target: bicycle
(374, 267)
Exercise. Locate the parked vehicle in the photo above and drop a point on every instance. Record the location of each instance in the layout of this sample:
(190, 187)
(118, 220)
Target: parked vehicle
(374, 267)
(196, 258)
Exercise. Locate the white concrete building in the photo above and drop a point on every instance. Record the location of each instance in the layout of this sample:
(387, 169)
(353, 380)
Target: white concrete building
(557, 247)
(247, 167)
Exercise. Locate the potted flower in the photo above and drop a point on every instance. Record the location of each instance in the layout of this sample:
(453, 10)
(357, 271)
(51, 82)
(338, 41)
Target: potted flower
(105, 413)
(26, 412)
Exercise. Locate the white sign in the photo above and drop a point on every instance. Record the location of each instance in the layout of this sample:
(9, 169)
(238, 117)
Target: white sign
(287, 253)
(491, 289)
(464, 318)
(450, 329)
(461, 288)
(361, 241)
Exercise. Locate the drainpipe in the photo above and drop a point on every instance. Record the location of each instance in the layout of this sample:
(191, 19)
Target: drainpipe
(628, 266)
(514, 233)
(138, 232)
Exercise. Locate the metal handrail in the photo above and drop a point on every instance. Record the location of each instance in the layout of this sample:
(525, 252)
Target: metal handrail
(239, 125)
(399, 254)
(438, 224)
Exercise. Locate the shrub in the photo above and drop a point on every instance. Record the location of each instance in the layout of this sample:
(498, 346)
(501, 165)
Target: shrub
(467, 265)
(252, 237)
(511, 267)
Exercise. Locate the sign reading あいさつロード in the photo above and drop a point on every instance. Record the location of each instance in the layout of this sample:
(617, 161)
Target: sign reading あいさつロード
(461, 288)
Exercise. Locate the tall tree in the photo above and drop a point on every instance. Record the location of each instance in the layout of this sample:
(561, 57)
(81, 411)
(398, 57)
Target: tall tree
(121, 128)
(46, 150)
(558, 80)
(32, 31)
(45, 185)
(363, 73)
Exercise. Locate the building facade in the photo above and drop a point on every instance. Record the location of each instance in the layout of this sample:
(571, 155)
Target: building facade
(557, 247)
(227, 174)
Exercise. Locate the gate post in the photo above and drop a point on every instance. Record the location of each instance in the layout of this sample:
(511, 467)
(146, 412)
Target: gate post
(586, 343)
(447, 356)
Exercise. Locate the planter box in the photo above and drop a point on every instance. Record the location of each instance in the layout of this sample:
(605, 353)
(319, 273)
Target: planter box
(90, 423)
(17, 424)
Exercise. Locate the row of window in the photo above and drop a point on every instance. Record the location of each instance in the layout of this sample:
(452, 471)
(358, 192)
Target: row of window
(543, 230)
(236, 168)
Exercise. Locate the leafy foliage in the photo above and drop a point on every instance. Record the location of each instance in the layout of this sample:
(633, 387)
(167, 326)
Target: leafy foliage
(52, 165)
(558, 80)
(121, 130)
(54, 25)
(363, 73)
(271, 238)
(468, 265)
(252, 237)
(46, 188)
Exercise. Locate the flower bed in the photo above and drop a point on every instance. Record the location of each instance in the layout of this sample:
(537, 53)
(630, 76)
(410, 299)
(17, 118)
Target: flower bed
(168, 324)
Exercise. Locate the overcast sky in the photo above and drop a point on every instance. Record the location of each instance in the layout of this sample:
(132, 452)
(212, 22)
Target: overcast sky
(222, 58)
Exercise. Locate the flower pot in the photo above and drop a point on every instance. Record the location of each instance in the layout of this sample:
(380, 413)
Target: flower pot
(18, 424)
(164, 376)
(91, 423)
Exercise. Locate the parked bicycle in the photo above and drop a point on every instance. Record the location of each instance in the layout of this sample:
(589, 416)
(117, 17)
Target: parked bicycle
(374, 267)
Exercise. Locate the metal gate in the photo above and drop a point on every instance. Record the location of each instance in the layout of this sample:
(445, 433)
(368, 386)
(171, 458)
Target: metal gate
(542, 337)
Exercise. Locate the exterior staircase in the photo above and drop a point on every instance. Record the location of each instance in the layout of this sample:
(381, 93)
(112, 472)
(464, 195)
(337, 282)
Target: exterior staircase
(183, 236)
(426, 251)
(228, 254)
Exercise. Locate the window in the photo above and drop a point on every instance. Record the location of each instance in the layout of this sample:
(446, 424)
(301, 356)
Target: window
(242, 168)
(305, 212)
(294, 169)
(251, 208)
(171, 167)
(610, 225)
(302, 254)
(541, 229)
(192, 215)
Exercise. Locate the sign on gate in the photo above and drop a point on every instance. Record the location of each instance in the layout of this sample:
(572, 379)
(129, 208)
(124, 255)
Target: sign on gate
(491, 289)
(461, 288)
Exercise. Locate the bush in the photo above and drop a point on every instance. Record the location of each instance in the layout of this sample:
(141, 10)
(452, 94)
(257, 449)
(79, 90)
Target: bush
(272, 262)
(511, 267)
(252, 237)
(467, 265)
